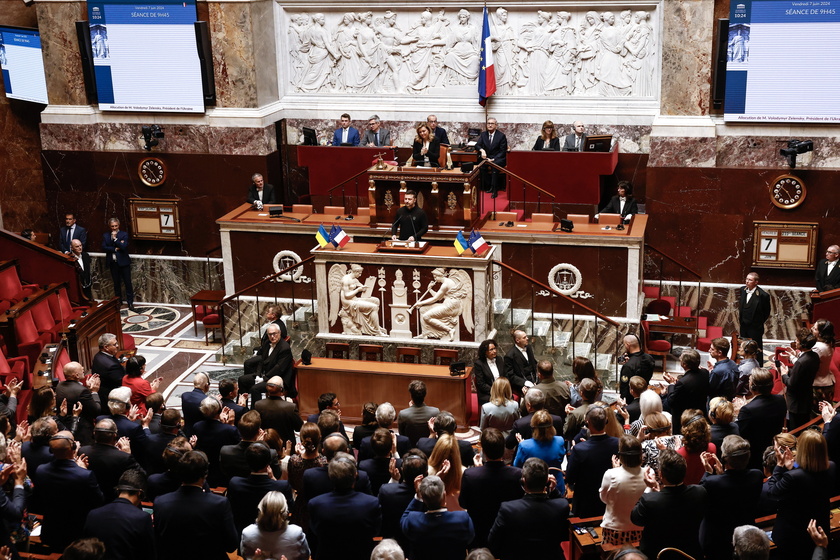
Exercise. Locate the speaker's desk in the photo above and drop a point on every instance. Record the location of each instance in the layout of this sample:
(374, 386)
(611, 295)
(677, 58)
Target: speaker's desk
(357, 382)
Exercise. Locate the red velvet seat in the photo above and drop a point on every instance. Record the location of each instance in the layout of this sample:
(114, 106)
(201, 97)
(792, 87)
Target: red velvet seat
(61, 308)
(128, 343)
(705, 343)
(29, 340)
(17, 367)
(655, 347)
(61, 360)
(11, 288)
(44, 321)
(211, 322)
(659, 307)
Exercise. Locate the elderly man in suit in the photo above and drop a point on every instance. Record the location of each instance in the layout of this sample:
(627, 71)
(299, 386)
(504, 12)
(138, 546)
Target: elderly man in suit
(574, 142)
(828, 272)
(690, 390)
(763, 417)
(69, 232)
(434, 532)
(213, 433)
(493, 146)
(191, 401)
(107, 366)
(108, 458)
(520, 362)
(77, 251)
(534, 525)
(275, 359)
(260, 192)
(375, 135)
(74, 390)
(753, 312)
(277, 412)
(115, 246)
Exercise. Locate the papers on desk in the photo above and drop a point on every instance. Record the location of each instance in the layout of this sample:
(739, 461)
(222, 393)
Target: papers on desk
(397, 243)
(654, 318)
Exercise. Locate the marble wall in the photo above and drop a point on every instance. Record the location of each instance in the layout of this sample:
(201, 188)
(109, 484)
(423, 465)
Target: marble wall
(159, 281)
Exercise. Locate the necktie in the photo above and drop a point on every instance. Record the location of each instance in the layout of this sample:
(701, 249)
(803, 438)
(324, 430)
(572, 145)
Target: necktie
(577, 143)
(491, 138)
(69, 236)
(377, 137)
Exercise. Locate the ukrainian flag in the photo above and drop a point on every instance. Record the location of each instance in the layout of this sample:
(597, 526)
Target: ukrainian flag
(322, 236)
(460, 243)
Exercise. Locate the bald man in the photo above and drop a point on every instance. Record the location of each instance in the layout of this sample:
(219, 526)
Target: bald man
(575, 141)
(74, 389)
(638, 363)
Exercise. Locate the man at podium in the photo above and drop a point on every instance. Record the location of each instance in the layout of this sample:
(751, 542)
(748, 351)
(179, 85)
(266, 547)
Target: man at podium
(411, 220)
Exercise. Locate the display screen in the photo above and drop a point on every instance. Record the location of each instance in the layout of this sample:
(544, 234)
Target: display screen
(145, 56)
(22, 64)
(783, 61)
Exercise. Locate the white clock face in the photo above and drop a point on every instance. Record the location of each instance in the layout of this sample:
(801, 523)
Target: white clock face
(152, 172)
(787, 192)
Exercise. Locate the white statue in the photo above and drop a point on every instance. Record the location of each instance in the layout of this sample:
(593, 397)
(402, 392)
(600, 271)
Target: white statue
(352, 301)
(440, 312)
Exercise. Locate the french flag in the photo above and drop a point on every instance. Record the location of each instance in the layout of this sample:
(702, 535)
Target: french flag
(338, 237)
(477, 243)
(487, 72)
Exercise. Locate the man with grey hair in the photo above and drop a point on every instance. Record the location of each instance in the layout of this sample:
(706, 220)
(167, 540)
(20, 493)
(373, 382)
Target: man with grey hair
(434, 532)
(688, 391)
(438, 131)
(375, 135)
(827, 275)
(275, 358)
(213, 433)
(108, 457)
(191, 401)
(277, 412)
(260, 192)
(107, 366)
(119, 405)
(74, 389)
(750, 543)
(534, 401)
(385, 416)
(387, 549)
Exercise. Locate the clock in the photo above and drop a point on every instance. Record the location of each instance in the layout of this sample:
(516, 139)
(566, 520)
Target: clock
(787, 192)
(152, 172)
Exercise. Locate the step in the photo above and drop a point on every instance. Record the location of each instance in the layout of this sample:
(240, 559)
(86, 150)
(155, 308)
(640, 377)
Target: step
(500, 306)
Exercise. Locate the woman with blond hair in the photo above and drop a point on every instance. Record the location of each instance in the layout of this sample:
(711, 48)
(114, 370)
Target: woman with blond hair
(502, 411)
(804, 491)
(548, 139)
(426, 147)
(721, 416)
(272, 534)
(544, 444)
(445, 462)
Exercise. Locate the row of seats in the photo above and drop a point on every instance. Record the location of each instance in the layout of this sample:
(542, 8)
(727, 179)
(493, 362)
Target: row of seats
(328, 210)
(405, 354)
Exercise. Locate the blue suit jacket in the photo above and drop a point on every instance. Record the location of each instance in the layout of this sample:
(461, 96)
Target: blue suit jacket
(245, 493)
(125, 529)
(733, 501)
(316, 482)
(190, 523)
(190, 401)
(588, 461)
(79, 233)
(444, 535)
(393, 499)
(118, 247)
(212, 436)
(352, 137)
(344, 524)
(483, 490)
(531, 527)
(137, 435)
(67, 492)
(111, 373)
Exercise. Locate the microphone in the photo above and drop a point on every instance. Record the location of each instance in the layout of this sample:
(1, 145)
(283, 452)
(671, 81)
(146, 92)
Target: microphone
(414, 228)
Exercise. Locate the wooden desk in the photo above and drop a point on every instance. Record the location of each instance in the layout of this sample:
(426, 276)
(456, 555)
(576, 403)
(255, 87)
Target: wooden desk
(584, 546)
(596, 229)
(357, 382)
(676, 325)
(497, 225)
(357, 221)
(330, 165)
(211, 298)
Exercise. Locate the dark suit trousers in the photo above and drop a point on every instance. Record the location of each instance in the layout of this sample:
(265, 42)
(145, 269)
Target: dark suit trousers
(492, 180)
(122, 274)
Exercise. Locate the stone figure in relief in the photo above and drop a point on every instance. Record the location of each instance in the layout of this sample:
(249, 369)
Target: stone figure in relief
(297, 31)
(563, 47)
(319, 56)
(421, 61)
(505, 53)
(535, 39)
(640, 63)
(588, 47)
(395, 45)
(613, 79)
(351, 301)
(349, 66)
(462, 56)
(441, 310)
(371, 55)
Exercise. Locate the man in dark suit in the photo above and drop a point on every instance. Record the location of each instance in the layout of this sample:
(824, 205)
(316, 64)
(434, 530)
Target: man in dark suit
(378, 467)
(520, 363)
(493, 146)
(213, 434)
(828, 273)
(534, 525)
(574, 142)
(36, 451)
(434, 532)
(191, 401)
(534, 401)
(413, 422)
(275, 359)
(385, 416)
(622, 203)
(733, 493)
(260, 192)
(245, 492)
(82, 257)
(672, 513)
(73, 390)
(689, 391)
(346, 135)
(170, 428)
(124, 528)
(190, 523)
(800, 380)
(375, 135)
(119, 404)
(344, 521)
(394, 498)
(115, 246)
(445, 423)
(638, 363)
(107, 458)
(588, 461)
(753, 312)
(66, 492)
(328, 401)
(107, 366)
(251, 365)
(278, 413)
(438, 131)
(230, 398)
(763, 417)
(70, 231)
(316, 481)
(484, 488)
(232, 457)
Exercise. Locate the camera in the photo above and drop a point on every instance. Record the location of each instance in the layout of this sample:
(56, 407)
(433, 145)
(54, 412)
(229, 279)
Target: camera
(150, 134)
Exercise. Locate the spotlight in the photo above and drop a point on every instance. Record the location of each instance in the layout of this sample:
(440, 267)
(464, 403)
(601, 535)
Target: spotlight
(150, 135)
(794, 148)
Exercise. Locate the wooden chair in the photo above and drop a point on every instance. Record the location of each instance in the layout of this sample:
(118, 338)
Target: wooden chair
(445, 356)
(549, 218)
(659, 307)
(505, 216)
(609, 219)
(408, 354)
(333, 211)
(363, 211)
(302, 208)
(339, 350)
(444, 159)
(370, 352)
(212, 322)
(655, 347)
(578, 218)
